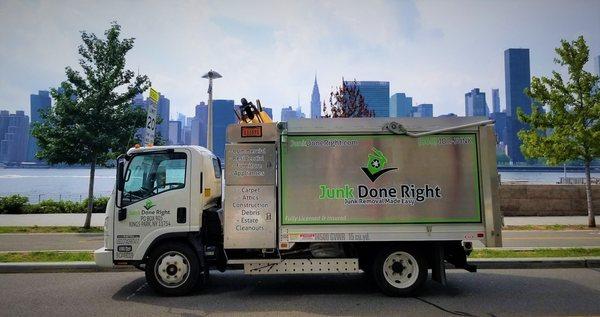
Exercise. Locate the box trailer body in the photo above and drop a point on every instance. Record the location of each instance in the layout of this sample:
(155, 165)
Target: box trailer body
(393, 197)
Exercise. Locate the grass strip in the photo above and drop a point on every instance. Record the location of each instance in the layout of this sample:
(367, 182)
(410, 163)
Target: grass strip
(46, 256)
(549, 227)
(78, 256)
(535, 253)
(50, 229)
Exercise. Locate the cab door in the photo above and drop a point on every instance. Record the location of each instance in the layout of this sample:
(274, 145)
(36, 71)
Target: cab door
(154, 199)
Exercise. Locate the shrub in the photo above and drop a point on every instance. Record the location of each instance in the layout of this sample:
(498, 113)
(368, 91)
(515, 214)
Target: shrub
(17, 204)
(13, 204)
(99, 204)
(54, 207)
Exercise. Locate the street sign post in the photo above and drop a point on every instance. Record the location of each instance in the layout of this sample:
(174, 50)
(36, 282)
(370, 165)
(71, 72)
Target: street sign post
(149, 130)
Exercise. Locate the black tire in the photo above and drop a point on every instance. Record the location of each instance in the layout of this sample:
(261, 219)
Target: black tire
(171, 259)
(406, 274)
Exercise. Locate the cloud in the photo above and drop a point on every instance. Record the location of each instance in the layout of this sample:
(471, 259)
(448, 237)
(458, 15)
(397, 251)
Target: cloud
(434, 51)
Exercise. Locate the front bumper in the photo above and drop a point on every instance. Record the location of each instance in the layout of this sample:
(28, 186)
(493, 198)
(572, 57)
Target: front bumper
(103, 257)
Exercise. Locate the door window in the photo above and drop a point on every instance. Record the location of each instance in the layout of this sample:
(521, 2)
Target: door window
(151, 174)
(217, 167)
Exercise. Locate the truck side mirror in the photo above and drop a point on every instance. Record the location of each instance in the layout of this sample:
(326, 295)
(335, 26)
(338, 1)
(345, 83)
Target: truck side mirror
(120, 178)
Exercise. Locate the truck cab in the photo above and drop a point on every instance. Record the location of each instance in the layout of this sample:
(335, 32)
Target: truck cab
(160, 199)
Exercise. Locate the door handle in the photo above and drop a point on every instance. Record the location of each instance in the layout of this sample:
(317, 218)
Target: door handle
(122, 214)
(181, 215)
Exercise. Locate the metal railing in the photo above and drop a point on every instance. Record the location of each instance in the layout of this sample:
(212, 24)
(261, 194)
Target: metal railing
(577, 181)
(37, 198)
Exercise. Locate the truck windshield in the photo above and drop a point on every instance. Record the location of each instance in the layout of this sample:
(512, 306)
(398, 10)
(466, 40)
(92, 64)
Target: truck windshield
(151, 174)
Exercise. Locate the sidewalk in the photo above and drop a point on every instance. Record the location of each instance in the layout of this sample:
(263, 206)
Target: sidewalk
(562, 220)
(50, 220)
(98, 220)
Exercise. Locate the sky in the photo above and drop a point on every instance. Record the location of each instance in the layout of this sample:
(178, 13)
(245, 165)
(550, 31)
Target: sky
(434, 51)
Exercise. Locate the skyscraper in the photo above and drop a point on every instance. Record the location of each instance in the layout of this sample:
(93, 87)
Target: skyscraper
(288, 114)
(400, 105)
(499, 125)
(300, 113)
(424, 110)
(222, 116)
(38, 103)
(597, 65)
(199, 125)
(139, 102)
(181, 118)
(315, 101)
(175, 129)
(14, 135)
(475, 104)
(164, 108)
(517, 78)
(376, 94)
(496, 100)
(269, 111)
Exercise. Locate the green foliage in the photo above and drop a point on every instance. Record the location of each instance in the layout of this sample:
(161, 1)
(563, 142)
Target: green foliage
(13, 204)
(93, 119)
(570, 130)
(99, 204)
(17, 204)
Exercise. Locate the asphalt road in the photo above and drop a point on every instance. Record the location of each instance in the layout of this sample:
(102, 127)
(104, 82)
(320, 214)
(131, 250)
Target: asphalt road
(486, 293)
(30, 242)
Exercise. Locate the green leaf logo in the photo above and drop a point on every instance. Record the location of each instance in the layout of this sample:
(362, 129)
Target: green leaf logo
(376, 165)
(149, 204)
(376, 161)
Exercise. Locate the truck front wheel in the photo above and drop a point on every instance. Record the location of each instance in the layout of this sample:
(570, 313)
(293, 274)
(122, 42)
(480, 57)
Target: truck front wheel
(173, 269)
(399, 272)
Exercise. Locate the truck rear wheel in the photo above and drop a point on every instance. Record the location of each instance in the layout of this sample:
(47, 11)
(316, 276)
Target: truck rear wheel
(173, 269)
(399, 272)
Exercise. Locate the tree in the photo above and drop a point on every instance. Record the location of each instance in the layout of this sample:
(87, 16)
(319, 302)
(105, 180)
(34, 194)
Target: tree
(347, 102)
(570, 130)
(93, 120)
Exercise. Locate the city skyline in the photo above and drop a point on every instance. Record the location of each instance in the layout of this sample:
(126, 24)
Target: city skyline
(273, 57)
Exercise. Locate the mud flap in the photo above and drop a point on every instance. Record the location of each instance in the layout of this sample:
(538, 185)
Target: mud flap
(195, 240)
(438, 266)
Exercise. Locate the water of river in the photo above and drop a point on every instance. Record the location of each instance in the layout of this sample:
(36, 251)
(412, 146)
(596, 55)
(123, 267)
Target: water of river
(72, 183)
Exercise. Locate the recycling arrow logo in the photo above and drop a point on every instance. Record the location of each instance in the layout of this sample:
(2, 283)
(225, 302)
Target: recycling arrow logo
(376, 165)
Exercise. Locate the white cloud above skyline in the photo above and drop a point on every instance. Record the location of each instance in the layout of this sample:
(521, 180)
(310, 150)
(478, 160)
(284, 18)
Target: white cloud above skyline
(434, 51)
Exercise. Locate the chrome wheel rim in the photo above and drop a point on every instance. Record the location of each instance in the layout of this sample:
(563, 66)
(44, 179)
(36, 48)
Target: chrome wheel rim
(400, 269)
(172, 269)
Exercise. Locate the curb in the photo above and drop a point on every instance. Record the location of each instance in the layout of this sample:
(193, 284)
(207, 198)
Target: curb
(489, 263)
(59, 267)
(536, 263)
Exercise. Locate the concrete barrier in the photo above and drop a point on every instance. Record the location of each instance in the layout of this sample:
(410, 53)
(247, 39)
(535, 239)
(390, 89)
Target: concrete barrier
(546, 200)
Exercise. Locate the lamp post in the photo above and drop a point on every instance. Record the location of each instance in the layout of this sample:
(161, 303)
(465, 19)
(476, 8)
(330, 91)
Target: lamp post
(209, 125)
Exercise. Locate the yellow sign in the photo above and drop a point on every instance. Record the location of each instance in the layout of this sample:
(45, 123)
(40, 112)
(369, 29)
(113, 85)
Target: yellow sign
(154, 95)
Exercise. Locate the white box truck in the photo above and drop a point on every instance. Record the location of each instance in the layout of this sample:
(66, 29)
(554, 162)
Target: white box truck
(391, 197)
